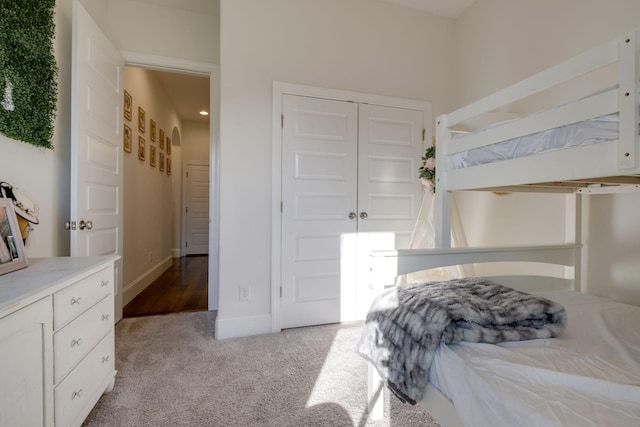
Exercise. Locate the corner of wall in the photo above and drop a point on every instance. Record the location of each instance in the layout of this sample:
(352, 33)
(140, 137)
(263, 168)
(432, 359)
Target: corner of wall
(234, 327)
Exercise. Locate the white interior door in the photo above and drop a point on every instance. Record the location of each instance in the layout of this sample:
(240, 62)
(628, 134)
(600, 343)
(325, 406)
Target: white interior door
(197, 209)
(96, 151)
(390, 146)
(319, 185)
(349, 186)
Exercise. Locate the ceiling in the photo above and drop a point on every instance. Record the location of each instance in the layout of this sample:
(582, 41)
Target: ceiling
(190, 94)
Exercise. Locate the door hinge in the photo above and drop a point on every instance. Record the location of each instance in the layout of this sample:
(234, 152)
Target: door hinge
(280, 291)
(281, 207)
(186, 244)
(424, 131)
(282, 121)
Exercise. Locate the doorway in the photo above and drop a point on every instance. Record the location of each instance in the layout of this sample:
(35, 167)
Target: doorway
(158, 278)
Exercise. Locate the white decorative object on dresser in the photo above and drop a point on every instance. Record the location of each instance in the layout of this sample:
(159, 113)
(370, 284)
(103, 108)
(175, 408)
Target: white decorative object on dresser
(56, 340)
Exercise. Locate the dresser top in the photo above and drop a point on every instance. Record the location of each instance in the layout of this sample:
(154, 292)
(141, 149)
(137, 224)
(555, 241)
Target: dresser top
(45, 276)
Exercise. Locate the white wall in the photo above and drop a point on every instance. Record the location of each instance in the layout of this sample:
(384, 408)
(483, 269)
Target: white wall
(356, 45)
(141, 26)
(148, 202)
(499, 42)
(195, 141)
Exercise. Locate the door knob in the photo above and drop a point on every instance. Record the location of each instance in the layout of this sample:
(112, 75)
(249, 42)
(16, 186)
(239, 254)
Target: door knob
(364, 215)
(88, 225)
(352, 216)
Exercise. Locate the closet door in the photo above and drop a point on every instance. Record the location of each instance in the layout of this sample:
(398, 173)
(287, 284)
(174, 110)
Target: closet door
(390, 146)
(319, 208)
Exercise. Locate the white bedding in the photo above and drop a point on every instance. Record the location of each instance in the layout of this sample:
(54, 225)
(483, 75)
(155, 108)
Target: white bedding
(599, 129)
(589, 376)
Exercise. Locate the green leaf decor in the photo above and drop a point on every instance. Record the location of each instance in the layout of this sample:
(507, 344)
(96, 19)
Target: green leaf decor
(28, 71)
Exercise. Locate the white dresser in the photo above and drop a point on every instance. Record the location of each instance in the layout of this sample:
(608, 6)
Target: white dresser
(56, 340)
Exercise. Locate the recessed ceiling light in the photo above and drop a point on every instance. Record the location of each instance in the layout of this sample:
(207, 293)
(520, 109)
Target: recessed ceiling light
(204, 113)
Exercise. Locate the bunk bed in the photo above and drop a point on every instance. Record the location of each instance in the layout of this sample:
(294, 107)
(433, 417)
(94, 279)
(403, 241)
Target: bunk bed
(604, 388)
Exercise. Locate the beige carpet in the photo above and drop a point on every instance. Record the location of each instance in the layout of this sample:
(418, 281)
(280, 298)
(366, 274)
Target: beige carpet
(171, 372)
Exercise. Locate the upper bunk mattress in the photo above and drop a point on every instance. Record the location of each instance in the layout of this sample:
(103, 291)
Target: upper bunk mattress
(589, 376)
(599, 129)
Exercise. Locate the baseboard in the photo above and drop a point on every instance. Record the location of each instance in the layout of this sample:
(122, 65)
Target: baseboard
(233, 327)
(140, 284)
(176, 253)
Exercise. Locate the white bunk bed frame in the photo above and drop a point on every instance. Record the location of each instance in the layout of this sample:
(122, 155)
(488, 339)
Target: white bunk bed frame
(598, 168)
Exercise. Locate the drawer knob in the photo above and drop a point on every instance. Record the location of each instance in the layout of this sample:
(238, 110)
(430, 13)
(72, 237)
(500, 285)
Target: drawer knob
(105, 359)
(76, 394)
(76, 342)
(75, 301)
(105, 317)
(104, 283)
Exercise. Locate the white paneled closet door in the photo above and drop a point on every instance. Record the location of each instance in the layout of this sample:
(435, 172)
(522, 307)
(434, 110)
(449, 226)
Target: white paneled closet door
(349, 185)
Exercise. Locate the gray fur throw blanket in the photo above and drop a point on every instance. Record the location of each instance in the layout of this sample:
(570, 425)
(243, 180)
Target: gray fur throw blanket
(406, 324)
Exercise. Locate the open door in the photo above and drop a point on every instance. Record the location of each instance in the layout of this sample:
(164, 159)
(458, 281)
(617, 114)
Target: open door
(96, 138)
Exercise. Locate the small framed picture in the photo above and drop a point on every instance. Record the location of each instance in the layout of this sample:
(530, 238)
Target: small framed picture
(168, 146)
(168, 166)
(152, 130)
(141, 148)
(142, 120)
(152, 155)
(128, 105)
(161, 161)
(161, 139)
(126, 137)
(12, 255)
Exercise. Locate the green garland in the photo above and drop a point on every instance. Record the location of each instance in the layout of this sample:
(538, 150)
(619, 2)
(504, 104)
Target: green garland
(28, 71)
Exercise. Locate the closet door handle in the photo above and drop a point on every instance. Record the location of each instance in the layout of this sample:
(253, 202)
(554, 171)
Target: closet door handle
(364, 215)
(352, 216)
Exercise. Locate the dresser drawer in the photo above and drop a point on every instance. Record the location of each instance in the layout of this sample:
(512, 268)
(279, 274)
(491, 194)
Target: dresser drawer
(76, 339)
(76, 298)
(79, 392)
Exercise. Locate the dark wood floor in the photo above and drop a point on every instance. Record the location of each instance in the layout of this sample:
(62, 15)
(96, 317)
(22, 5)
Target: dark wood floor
(183, 287)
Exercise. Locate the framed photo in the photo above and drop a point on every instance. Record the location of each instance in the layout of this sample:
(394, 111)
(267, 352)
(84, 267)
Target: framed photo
(141, 148)
(161, 139)
(168, 146)
(12, 255)
(161, 161)
(126, 136)
(152, 156)
(168, 166)
(128, 105)
(142, 120)
(152, 130)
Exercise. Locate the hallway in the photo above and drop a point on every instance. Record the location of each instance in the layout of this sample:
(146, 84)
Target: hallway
(183, 287)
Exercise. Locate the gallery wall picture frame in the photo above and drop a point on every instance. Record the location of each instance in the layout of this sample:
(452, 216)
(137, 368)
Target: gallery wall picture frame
(141, 148)
(152, 155)
(168, 146)
(161, 162)
(12, 254)
(152, 130)
(126, 138)
(128, 105)
(142, 120)
(168, 166)
(161, 138)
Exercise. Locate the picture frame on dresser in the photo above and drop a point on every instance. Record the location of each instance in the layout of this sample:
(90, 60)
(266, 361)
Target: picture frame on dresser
(12, 254)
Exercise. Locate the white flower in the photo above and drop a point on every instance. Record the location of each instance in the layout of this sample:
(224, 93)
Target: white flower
(430, 163)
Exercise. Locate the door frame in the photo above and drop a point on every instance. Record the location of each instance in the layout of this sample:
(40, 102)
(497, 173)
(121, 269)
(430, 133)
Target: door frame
(175, 65)
(184, 202)
(279, 90)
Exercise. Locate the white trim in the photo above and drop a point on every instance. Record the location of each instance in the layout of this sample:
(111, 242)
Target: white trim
(234, 327)
(280, 89)
(134, 288)
(163, 63)
(176, 252)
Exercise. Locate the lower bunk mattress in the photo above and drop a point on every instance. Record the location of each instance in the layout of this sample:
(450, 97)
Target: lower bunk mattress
(588, 376)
